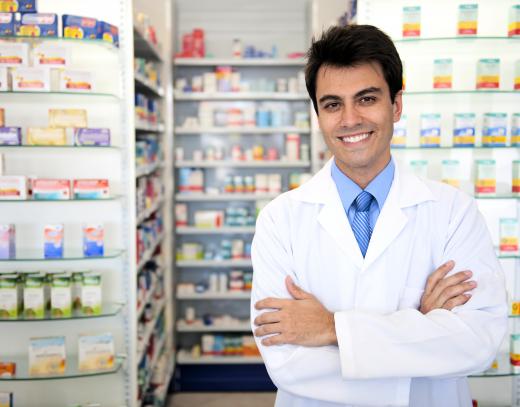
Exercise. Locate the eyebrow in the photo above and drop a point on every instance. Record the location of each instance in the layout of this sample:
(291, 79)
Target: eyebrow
(359, 94)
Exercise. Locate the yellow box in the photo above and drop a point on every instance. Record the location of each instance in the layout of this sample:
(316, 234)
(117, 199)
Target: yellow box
(68, 118)
(46, 136)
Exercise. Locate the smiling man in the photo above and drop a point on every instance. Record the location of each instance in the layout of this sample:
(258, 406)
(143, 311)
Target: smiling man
(361, 291)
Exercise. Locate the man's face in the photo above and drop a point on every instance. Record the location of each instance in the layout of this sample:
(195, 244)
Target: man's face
(356, 116)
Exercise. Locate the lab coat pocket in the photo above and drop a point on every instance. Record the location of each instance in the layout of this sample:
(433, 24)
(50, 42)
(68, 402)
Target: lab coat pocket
(410, 298)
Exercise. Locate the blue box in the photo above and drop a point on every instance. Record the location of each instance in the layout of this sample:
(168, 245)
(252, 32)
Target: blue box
(14, 6)
(38, 25)
(7, 24)
(80, 27)
(109, 33)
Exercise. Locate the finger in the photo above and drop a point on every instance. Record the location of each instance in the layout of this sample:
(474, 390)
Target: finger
(444, 286)
(274, 340)
(268, 318)
(457, 301)
(438, 275)
(268, 329)
(455, 291)
(295, 291)
(274, 303)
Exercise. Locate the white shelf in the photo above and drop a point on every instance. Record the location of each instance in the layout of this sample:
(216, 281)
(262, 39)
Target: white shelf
(144, 48)
(239, 62)
(226, 230)
(240, 130)
(240, 96)
(185, 358)
(147, 256)
(143, 82)
(243, 164)
(214, 263)
(148, 212)
(201, 197)
(147, 169)
(237, 295)
(199, 327)
(150, 330)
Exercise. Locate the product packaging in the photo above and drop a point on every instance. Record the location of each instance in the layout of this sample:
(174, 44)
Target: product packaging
(10, 136)
(76, 287)
(13, 188)
(50, 189)
(7, 369)
(68, 118)
(419, 168)
(80, 27)
(464, 130)
(46, 136)
(96, 352)
(515, 130)
(6, 399)
(47, 356)
(516, 178)
(61, 294)
(509, 236)
(25, 79)
(292, 147)
(50, 56)
(514, 353)
(93, 240)
(451, 172)
(412, 21)
(38, 25)
(430, 130)
(209, 219)
(191, 180)
(109, 33)
(14, 54)
(53, 241)
(468, 19)
(7, 24)
(442, 73)
(91, 189)
(494, 130)
(514, 21)
(485, 183)
(488, 73)
(34, 296)
(10, 296)
(181, 214)
(22, 6)
(274, 183)
(400, 133)
(91, 299)
(7, 241)
(92, 137)
(75, 81)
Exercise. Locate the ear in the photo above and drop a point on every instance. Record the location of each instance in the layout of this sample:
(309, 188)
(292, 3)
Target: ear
(398, 106)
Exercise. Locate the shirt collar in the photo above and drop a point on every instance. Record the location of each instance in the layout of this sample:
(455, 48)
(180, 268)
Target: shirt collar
(379, 187)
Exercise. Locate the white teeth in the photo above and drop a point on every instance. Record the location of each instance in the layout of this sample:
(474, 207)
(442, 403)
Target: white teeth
(355, 139)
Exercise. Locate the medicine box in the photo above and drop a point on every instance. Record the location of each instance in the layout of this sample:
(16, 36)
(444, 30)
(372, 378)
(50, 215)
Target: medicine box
(514, 21)
(515, 130)
(464, 130)
(509, 236)
(292, 147)
(494, 130)
(10, 296)
(516, 178)
(51, 189)
(442, 73)
(51, 56)
(485, 183)
(30, 80)
(96, 352)
(91, 299)
(13, 188)
(468, 19)
(7, 241)
(450, 172)
(34, 296)
(109, 33)
(430, 130)
(80, 27)
(38, 25)
(53, 237)
(47, 356)
(90, 189)
(60, 294)
(93, 240)
(7, 24)
(75, 81)
(46, 136)
(14, 54)
(6, 399)
(488, 73)
(400, 132)
(77, 284)
(10, 136)
(67, 118)
(209, 219)
(181, 214)
(22, 6)
(92, 137)
(412, 21)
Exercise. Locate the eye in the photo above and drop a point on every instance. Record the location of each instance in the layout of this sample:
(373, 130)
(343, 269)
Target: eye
(367, 100)
(331, 106)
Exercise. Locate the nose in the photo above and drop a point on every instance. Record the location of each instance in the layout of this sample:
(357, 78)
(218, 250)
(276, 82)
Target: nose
(350, 117)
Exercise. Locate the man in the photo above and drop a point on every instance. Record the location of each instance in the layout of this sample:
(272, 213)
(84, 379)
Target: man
(345, 307)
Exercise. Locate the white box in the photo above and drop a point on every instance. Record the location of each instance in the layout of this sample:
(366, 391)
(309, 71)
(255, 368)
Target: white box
(13, 188)
(75, 81)
(31, 80)
(14, 54)
(50, 56)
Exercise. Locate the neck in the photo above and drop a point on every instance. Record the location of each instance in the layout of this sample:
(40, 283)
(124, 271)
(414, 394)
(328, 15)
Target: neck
(362, 176)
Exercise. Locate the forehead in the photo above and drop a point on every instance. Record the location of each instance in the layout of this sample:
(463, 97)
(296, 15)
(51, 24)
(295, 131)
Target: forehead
(334, 79)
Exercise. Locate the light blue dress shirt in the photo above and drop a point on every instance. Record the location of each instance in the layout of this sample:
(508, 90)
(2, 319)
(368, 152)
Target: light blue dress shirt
(348, 190)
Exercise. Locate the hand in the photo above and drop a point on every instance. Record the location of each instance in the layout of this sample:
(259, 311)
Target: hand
(446, 292)
(299, 321)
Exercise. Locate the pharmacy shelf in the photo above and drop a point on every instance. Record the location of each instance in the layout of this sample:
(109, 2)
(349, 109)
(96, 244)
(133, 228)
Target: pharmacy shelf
(150, 330)
(148, 255)
(143, 47)
(145, 85)
(184, 358)
(158, 352)
(504, 368)
(225, 197)
(147, 300)
(237, 295)
(182, 326)
(162, 390)
(71, 370)
(471, 92)
(73, 42)
(34, 201)
(214, 263)
(147, 169)
(454, 148)
(463, 40)
(269, 62)
(150, 128)
(45, 95)
(240, 130)
(243, 164)
(75, 254)
(226, 230)
(107, 310)
(150, 211)
(240, 96)
(69, 147)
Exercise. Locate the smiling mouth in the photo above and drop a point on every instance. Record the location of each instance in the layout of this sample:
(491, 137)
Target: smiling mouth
(356, 138)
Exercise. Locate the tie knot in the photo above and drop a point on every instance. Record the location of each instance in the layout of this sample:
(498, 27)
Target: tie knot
(363, 201)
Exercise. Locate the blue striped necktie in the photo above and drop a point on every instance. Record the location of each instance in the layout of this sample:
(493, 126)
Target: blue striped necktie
(361, 223)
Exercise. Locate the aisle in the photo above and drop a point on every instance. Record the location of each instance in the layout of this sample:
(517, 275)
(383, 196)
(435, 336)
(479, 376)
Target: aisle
(222, 400)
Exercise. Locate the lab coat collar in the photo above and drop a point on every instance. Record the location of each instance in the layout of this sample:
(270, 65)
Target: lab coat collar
(407, 190)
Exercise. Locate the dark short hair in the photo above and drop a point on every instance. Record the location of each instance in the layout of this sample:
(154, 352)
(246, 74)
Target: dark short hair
(351, 46)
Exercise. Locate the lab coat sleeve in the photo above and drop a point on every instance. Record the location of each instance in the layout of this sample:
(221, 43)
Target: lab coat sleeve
(441, 343)
(304, 371)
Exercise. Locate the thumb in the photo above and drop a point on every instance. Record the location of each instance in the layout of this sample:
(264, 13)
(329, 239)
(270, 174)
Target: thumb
(296, 292)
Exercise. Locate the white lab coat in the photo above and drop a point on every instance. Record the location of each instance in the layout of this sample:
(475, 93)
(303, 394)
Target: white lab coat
(389, 354)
